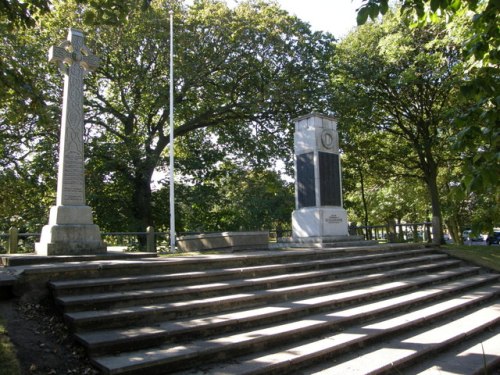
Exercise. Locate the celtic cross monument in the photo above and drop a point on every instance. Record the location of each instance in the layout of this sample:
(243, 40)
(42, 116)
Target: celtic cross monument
(70, 229)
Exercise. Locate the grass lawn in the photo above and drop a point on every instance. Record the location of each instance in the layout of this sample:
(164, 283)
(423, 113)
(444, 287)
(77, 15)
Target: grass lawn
(8, 358)
(488, 256)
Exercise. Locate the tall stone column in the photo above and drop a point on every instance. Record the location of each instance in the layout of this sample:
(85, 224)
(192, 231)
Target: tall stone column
(319, 215)
(70, 229)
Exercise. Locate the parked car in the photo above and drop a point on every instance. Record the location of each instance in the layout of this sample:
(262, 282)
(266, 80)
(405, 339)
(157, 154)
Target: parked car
(467, 236)
(493, 238)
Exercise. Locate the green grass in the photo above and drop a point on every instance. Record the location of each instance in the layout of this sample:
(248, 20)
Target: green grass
(487, 256)
(8, 359)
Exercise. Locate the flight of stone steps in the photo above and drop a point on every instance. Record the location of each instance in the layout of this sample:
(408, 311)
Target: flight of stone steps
(373, 309)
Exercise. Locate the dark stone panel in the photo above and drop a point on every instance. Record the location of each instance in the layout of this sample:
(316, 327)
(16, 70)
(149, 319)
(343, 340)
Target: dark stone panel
(305, 180)
(329, 179)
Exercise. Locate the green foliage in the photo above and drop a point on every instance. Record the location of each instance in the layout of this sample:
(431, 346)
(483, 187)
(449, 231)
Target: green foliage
(19, 13)
(26, 13)
(235, 199)
(29, 119)
(479, 135)
(240, 75)
(395, 93)
(23, 200)
(237, 86)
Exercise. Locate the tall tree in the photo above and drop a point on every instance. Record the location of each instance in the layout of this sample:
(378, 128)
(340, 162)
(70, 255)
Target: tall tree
(28, 128)
(240, 74)
(479, 138)
(401, 84)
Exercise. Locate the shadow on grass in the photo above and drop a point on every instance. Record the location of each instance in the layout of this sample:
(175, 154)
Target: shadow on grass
(8, 359)
(487, 256)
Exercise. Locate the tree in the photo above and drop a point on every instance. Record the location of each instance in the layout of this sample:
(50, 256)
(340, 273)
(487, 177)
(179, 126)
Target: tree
(238, 77)
(241, 75)
(25, 13)
(399, 84)
(28, 129)
(478, 138)
(235, 198)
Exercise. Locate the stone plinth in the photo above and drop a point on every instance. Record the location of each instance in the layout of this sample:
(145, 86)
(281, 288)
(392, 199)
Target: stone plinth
(70, 231)
(70, 240)
(319, 222)
(224, 241)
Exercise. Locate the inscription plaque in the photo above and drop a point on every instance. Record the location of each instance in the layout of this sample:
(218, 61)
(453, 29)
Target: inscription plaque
(329, 176)
(333, 219)
(305, 180)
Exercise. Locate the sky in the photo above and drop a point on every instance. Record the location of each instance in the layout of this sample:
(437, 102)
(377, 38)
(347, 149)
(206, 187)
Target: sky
(335, 16)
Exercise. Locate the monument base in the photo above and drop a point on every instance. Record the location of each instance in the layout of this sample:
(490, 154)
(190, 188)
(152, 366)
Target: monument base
(231, 241)
(323, 242)
(319, 222)
(78, 239)
(70, 232)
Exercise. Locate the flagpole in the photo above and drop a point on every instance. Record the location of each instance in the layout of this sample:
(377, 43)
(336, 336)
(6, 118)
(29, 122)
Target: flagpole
(172, 206)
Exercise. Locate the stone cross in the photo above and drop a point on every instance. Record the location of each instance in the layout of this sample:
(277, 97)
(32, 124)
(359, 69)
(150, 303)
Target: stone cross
(74, 59)
(71, 230)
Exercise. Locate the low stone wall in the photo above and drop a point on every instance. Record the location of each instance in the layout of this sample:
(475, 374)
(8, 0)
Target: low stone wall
(224, 241)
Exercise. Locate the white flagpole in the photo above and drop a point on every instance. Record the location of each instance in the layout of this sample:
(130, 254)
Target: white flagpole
(172, 207)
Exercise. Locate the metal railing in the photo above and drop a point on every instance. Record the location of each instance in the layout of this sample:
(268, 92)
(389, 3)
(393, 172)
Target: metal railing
(14, 242)
(150, 241)
(399, 232)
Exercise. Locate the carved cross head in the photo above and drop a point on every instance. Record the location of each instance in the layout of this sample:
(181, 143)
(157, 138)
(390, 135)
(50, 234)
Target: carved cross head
(73, 52)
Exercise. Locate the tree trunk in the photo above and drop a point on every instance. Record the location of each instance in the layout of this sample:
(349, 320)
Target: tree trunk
(437, 226)
(365, 204)
(143, 213)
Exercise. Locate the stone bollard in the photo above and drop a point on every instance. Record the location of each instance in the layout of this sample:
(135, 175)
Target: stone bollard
(150, 240)
(12, 242)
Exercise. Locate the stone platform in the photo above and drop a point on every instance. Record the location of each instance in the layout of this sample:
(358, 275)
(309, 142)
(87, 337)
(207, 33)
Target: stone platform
(401, 308)
(224, 241)
(324, 242)
(34, 259)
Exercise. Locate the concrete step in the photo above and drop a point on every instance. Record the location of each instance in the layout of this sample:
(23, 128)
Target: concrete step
(398, 353)
(344, 265)
(15, 260)
(112, 318)
(280, 311)
(126, 339)
(31, 280)
(124, 297)
(475, 355)
(140, 267)
(287, 340)
(327, 244)
(328, 349)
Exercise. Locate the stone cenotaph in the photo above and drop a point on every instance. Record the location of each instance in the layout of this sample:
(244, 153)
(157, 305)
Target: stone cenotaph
(319, 216)
(71, 230)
